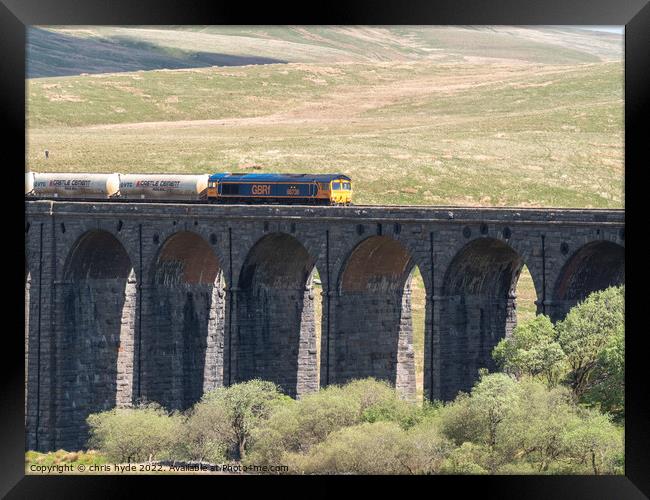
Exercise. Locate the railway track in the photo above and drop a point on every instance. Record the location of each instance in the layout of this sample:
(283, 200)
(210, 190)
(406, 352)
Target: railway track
(330, 207)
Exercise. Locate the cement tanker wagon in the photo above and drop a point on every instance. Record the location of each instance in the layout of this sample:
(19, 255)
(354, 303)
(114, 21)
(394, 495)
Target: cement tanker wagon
(163, 187)
(29, 182)
(87, 186)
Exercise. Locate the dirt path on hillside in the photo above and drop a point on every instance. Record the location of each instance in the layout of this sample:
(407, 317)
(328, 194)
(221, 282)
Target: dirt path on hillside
(350, 101)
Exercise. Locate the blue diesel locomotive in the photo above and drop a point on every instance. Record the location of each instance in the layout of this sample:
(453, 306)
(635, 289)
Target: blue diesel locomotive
(323, 189)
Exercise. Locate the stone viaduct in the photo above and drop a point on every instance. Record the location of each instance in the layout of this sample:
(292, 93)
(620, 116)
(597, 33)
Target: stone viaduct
(129, 302)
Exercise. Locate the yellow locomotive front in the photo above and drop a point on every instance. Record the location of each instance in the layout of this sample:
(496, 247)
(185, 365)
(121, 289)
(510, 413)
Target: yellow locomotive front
(341, 192)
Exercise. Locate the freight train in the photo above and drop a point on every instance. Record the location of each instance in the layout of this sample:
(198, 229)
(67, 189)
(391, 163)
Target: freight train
(311, 189)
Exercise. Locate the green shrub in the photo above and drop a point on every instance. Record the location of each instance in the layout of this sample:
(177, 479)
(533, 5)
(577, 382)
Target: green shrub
(460, 422)
(368, 448)
(594, 444)
(532, 350)
(505, 426)
(517, 468)
(533, 432)
(374, 448)
(607, 391)
(242, 407)
(369, 392)
(205, 434)
(134, 434)
(468, 458)
(425, 448)
(380, 402)
(298, 426)
(593, 337)
(478, 416)
(586, 351)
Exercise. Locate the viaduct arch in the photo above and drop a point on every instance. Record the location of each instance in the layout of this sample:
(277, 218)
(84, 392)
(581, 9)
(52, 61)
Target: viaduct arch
(182, 350)
(127, 303)
(275, 335)
(594, 266)
(98, 296)
(478, 309)
(373, 309)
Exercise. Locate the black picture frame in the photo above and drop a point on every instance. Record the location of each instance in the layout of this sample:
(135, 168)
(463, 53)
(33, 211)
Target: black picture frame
(15, 15)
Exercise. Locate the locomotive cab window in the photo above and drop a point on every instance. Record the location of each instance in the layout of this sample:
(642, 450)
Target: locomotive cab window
(336, 185)
(346, 185)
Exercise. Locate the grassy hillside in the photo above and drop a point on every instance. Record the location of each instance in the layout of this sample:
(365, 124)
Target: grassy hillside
(408, 133)
(59, 51)
(416, 115)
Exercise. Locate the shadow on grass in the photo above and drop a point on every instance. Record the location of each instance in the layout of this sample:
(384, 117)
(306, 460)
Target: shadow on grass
(55, 54)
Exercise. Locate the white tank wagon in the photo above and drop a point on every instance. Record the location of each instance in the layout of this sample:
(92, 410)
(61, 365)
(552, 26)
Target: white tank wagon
(96, 186)
(163, 187)
(29, 182)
